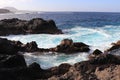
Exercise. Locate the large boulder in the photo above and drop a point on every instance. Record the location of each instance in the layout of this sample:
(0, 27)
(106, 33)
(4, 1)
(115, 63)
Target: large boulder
(97, 53)
(68, 46)
(32, 72)
(12, 61)
(35, 26)
(8, 47)
(29, 47)
(13, 67)
(61, 69)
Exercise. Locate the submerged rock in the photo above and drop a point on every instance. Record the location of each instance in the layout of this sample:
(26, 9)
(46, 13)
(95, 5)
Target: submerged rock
(35, 26)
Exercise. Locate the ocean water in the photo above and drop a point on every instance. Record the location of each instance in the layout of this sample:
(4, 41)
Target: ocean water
(98, 30)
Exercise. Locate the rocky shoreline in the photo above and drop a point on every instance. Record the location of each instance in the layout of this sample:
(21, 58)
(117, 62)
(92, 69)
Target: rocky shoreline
(100, 66)
(35, 26)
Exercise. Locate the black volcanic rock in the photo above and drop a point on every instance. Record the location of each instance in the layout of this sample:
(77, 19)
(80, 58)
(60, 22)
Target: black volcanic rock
(95, 54)
(115, 46)
(68, 46)
(29, 47)
(8, 47)
(12, 61)
(35, 26)
(14, 47)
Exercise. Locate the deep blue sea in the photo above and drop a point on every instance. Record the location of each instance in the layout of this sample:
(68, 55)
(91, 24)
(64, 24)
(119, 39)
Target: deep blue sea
(97, 29)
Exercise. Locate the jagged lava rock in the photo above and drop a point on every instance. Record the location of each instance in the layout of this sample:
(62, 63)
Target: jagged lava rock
(114, 46)
(68, 46)
(35, 26)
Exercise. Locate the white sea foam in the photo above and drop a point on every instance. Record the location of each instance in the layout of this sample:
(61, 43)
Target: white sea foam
(97, 38)
(47, 61)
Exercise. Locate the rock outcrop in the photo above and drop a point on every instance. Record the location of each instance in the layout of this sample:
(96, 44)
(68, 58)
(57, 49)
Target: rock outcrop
(68, 46)
(95, 54)
(35, 26)
(8, 47)
(115, 46)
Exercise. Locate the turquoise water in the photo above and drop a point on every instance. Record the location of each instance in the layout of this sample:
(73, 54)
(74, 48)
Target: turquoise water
(97, 38)
(98, 30)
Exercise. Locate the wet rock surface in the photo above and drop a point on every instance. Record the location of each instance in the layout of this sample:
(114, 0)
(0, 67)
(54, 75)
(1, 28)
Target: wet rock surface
(13, 47)
(115, 46)
(35, 26)
(68, 46)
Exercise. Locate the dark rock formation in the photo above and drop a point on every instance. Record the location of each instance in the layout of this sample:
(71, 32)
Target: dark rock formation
(13, 67)
(68, 46)
(29, 47)
(11, 61)
(13, 47)
(8, 47)
(95, 54)
(115, 46)
(20, 73)
(35, 26)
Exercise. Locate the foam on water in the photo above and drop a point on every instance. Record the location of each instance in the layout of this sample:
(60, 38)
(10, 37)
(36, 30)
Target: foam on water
(97, 38)
(51, 60)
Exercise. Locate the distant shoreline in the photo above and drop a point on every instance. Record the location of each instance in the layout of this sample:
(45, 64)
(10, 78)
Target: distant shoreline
(4, 11)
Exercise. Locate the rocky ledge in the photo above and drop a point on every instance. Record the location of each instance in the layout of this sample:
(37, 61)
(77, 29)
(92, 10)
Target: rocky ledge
(66, 46)
(35, 26)
(100, 66)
